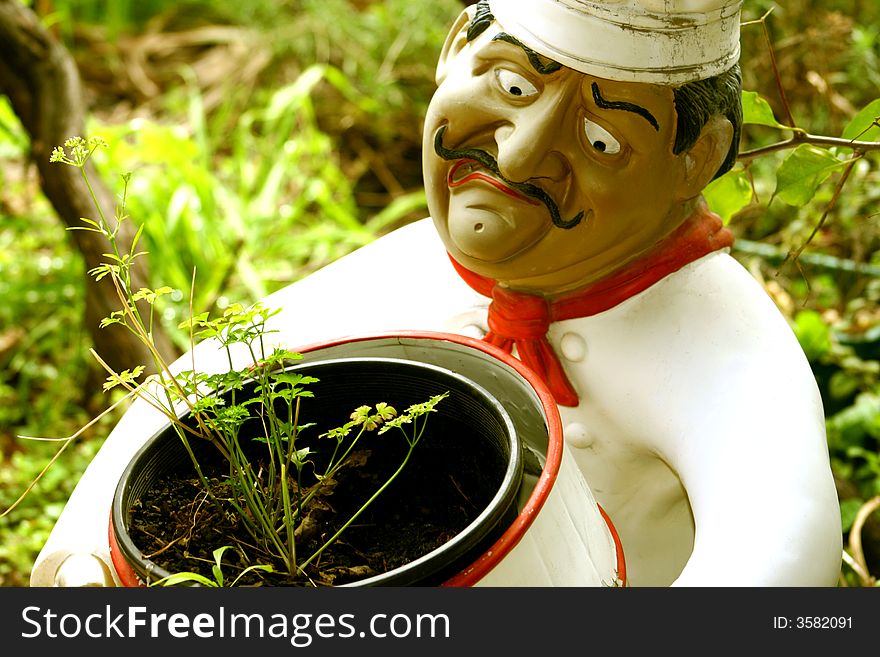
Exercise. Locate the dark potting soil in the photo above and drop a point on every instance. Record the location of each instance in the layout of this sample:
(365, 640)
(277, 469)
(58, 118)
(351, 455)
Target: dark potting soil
(443, 488)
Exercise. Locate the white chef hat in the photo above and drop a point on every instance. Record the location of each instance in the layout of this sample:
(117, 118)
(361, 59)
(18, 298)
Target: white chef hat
(661, 41)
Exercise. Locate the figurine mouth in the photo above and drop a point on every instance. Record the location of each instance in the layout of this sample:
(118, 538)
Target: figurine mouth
(466, 170)
(475, 164)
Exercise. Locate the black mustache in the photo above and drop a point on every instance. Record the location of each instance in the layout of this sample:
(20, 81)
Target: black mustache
(489, 162)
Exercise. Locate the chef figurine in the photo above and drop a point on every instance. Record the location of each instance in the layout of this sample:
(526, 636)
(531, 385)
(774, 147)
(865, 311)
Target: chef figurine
(565, 152)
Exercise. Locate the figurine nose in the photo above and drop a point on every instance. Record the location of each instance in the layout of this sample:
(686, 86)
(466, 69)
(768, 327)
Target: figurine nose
(531, 149)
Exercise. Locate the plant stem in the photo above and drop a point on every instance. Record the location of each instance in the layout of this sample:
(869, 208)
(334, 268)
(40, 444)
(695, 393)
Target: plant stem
(357, 513)
(291, 542)
(412, 445)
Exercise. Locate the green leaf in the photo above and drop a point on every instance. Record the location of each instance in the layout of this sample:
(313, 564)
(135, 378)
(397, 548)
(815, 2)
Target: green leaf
(180, 578)
(864, 126)
(151, 295)
(281, 354)
(385, 412)
(338, 432)
(813, 334)
(851, 426)
(122, 378)
(93, 226)
(360, 414)
(196, 320)
(137, 236)
(101, 271)
(301, 456)
(729, 194)
(757, 110)
(849, 509)
(265, 568)
(294, 379)
(109, 321)
(288, 395)
(844, 384)
(801, 173)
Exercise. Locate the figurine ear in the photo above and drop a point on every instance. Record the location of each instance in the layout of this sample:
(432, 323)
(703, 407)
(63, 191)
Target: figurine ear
(704, 158)
(455, 41)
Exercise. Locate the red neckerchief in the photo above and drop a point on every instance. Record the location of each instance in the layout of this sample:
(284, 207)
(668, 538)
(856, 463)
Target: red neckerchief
(521, 319)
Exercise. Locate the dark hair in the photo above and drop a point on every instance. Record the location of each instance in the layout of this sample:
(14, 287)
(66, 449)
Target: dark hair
(483, 18)
(696, 102)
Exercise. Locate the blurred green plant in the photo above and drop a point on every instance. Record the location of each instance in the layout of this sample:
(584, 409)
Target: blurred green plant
(115, 17)
(44, 368)
(41, 313)
(251, 211)
(24, 531)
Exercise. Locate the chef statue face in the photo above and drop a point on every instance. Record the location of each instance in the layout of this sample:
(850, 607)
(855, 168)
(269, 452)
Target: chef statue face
(546, 178)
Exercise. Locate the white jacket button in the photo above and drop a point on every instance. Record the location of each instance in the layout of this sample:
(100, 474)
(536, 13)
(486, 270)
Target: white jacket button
(573, 347)
(577, 435)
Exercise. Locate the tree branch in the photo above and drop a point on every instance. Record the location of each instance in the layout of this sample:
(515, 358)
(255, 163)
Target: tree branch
(859, 147)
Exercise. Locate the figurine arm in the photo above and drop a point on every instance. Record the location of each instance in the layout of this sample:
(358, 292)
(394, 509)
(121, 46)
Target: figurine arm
(757, 475)
(750, 449)
(698, 388)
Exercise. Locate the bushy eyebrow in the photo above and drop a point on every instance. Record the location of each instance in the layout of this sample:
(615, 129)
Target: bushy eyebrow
(622, 105)
(534, 58)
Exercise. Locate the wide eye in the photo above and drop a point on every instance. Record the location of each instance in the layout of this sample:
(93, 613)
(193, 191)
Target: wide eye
(514, 84)
(600, 138)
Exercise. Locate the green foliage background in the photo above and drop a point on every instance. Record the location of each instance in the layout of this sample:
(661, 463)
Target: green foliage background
(270, 137)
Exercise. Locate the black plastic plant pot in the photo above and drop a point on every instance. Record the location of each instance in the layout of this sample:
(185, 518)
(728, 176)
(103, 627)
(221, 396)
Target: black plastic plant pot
(470, 421)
